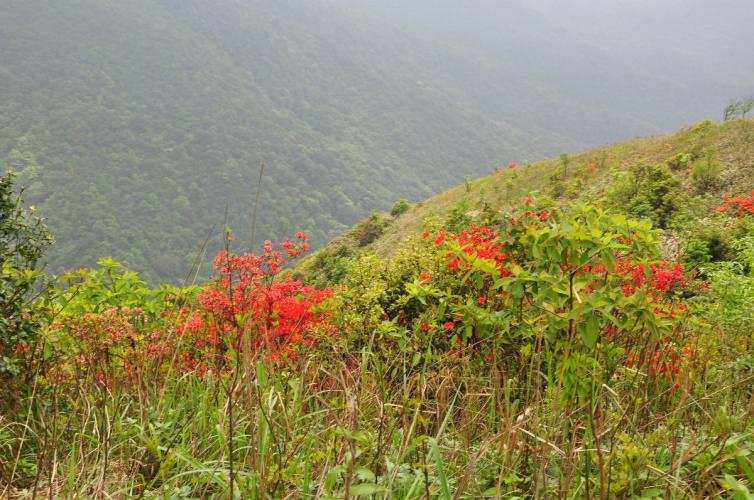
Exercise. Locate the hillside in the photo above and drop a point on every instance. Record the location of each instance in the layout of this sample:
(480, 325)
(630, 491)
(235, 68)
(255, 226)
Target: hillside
(573, 328)
(135, 124)
(591, 175)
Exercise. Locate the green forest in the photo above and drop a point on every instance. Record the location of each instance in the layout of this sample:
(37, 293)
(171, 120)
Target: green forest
(136, 126)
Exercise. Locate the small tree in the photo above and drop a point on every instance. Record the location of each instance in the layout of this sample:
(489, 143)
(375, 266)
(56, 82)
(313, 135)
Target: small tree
(746, 106)
(23, 242)
(729, 112)
(705, 174)
(742, 108)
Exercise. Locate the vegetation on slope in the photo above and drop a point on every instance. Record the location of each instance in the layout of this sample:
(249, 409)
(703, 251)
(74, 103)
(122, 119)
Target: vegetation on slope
(540, 349)
(692, 169)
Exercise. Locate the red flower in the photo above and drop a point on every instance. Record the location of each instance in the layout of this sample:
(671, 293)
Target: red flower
(423, 277)
(481, 301)
(425, 235)
(512, 164)
(440, 238)
(449, 325)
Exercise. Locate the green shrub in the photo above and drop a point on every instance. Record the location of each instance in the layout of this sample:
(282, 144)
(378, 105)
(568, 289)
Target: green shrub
(370, 229)
(679, 161)
(400, 207)
(648, 192)
(23, 242)
(458, 217)
(697, 254)
(330, 266)
(705, 174)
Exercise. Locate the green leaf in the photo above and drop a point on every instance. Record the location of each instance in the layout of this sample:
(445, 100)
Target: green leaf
(444, 489)
(590, 330)
(365, 489)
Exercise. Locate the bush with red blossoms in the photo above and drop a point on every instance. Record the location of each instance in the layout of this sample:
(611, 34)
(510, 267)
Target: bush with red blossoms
(247, 308)
(585, 278)
(739, 205)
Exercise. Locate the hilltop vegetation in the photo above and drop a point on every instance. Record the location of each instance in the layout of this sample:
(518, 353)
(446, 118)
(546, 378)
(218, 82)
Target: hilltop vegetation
(584, 331)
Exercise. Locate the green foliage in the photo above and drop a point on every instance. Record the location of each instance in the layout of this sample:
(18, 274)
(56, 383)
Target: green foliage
(705, 174)
(329, 266)
(565, 161)
(457, 217)
(649, 192)
(697, 253)
(679, 161)
(23, 241)
(733, 285)
(368, 230)
(400, 207)
(111, 285)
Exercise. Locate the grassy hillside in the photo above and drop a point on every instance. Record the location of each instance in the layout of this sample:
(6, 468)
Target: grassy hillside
(590, 175)
(531, 334)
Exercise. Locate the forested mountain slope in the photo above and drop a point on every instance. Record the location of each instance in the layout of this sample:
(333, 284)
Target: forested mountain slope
(137, 125)
(147, 117)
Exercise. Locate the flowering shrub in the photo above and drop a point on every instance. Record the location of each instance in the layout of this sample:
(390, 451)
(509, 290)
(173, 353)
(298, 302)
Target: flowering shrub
(740, 205)
(102, 348)
(246, 308)
(581, 275)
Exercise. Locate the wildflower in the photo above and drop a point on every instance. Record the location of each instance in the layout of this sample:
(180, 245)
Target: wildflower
(512, 164)
(424, 277)
(449, 325)
(481, 301)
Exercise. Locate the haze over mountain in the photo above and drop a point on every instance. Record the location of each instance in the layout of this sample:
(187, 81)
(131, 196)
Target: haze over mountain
(137, 125)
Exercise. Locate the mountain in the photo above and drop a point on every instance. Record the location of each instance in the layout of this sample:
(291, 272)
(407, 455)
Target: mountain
(137, 126)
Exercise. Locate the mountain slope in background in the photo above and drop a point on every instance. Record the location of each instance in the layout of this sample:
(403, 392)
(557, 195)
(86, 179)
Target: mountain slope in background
(137, 125)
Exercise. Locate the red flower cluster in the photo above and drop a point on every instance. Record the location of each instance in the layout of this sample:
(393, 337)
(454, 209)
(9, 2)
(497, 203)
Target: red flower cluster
(478, 242)
(248, 308)
(655, 279)
(662, 277)
(740, 205)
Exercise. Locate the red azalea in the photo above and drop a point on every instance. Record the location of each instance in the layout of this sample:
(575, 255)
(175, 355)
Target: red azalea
(440, 238)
